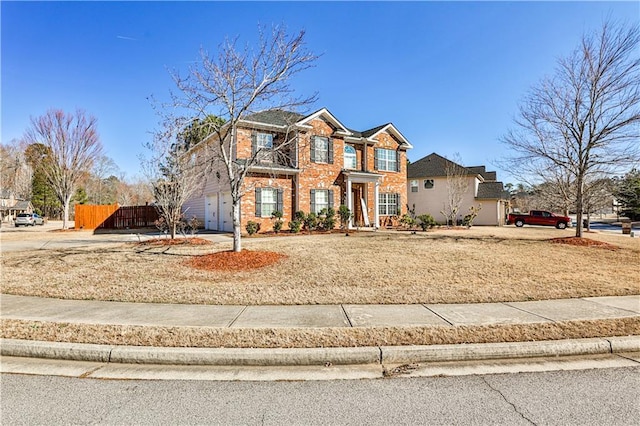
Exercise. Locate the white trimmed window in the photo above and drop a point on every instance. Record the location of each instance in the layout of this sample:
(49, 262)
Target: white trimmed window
(264, 141)
(268, 200)
(321, 199)
(349, 157)
(388, 204)
(414, 186)
(321, 150)
(386, 159)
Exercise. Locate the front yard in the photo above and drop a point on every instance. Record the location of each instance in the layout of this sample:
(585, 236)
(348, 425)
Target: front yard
(483, 264)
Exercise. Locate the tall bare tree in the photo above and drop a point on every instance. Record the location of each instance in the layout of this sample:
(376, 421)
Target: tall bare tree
(73, 144)
(234, 83)
(583, 121)
(457, 186)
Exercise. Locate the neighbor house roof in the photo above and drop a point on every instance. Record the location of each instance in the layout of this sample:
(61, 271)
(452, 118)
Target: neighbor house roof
(491, 190)
(434, 165)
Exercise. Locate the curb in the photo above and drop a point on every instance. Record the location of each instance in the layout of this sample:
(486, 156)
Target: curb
(315, 356)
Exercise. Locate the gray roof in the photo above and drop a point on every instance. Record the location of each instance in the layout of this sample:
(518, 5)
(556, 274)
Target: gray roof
(482, 171)
(284, 118)
(276, 117)
(434, 165)
(491, 190)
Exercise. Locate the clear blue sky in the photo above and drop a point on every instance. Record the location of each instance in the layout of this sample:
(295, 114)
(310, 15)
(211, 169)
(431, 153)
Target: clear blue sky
(449, 75)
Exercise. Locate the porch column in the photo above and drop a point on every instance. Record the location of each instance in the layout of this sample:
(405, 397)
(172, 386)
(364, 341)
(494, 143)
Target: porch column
(376, 214)
(349, 202)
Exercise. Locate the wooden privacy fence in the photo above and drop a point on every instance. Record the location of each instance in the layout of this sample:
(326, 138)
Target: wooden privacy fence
(114, 217)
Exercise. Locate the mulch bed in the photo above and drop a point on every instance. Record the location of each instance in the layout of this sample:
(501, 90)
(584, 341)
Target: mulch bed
(235, 261)
(174, 242)
(583, 242)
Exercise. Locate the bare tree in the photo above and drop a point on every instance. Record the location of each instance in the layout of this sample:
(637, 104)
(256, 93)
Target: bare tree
(15, 171)
(584, 120)
(103, 167)
(174, 173)
(237, 82)
(73, 144)
(457, 186)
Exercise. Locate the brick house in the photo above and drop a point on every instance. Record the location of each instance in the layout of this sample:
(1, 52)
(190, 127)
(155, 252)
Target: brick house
(327, 165)
(427, 190)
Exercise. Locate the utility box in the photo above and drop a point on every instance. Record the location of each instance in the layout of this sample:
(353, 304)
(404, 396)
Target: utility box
(626, 227)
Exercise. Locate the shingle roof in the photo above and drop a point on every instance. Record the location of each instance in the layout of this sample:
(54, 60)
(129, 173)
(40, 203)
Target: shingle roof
(275, 116)
(433, 165)
(491, 190)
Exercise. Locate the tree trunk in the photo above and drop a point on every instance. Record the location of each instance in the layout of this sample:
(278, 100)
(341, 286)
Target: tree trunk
(237, 229)
(65, 215)
(579, 206)
(173, 229)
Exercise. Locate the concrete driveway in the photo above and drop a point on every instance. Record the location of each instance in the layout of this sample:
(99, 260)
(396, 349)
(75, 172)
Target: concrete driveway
(51, 236)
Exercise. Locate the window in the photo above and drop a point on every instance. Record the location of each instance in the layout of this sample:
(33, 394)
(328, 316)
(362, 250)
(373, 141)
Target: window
(264, 141)
(428, 183)
(386, 159)
(349, 157)
(321, 150)
(388, 204)
(268, 200)
(414, 186)
(321, 199)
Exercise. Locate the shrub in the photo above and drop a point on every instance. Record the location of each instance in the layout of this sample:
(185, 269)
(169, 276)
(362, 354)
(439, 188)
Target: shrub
(473, 212)
(277, 225)
(327, 219)
(252, 227)
(426, 221)
(295, 226)
(345, 215)
(407, 221)
(310, 222)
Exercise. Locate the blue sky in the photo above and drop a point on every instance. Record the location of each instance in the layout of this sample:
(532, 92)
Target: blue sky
(449, 75)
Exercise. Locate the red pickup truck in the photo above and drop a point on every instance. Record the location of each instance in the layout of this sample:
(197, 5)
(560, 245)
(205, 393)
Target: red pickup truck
(539, 217)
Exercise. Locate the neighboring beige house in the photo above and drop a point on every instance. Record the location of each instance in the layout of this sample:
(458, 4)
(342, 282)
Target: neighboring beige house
(427, 190)
(11, 206)
(328, 165)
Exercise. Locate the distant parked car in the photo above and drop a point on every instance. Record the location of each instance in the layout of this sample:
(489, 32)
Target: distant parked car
(29, 219)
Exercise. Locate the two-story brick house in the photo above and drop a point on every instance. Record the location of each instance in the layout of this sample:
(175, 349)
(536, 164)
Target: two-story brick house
(326, 165)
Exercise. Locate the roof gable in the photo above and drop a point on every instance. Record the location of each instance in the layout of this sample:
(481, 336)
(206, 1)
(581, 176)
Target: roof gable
(326, 115)
(389, 128)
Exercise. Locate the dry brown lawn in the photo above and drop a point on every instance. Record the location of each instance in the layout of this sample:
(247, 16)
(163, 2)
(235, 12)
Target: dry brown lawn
(483, 264)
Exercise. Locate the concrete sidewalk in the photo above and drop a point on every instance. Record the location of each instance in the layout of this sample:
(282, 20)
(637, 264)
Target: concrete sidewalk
(315, 316)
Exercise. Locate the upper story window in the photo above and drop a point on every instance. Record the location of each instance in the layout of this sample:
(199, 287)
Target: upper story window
(414, 186)
(386, 159)
(264, 141)
(349, 157)
(428, 183)
(321, 150)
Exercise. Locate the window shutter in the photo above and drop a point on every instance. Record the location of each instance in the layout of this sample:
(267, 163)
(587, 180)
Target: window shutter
(398, 161)
(280, 201)
(313, 201)
(330, 151)
(398, 204)
(254, 143)
(331, 198)
(258, 202)
(375, 158)
(313, 149)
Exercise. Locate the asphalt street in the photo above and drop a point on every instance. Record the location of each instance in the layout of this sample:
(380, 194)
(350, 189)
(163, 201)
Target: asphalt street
(589, 397)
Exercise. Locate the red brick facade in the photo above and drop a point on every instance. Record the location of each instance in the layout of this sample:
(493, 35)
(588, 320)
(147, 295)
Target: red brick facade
(327, 172)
